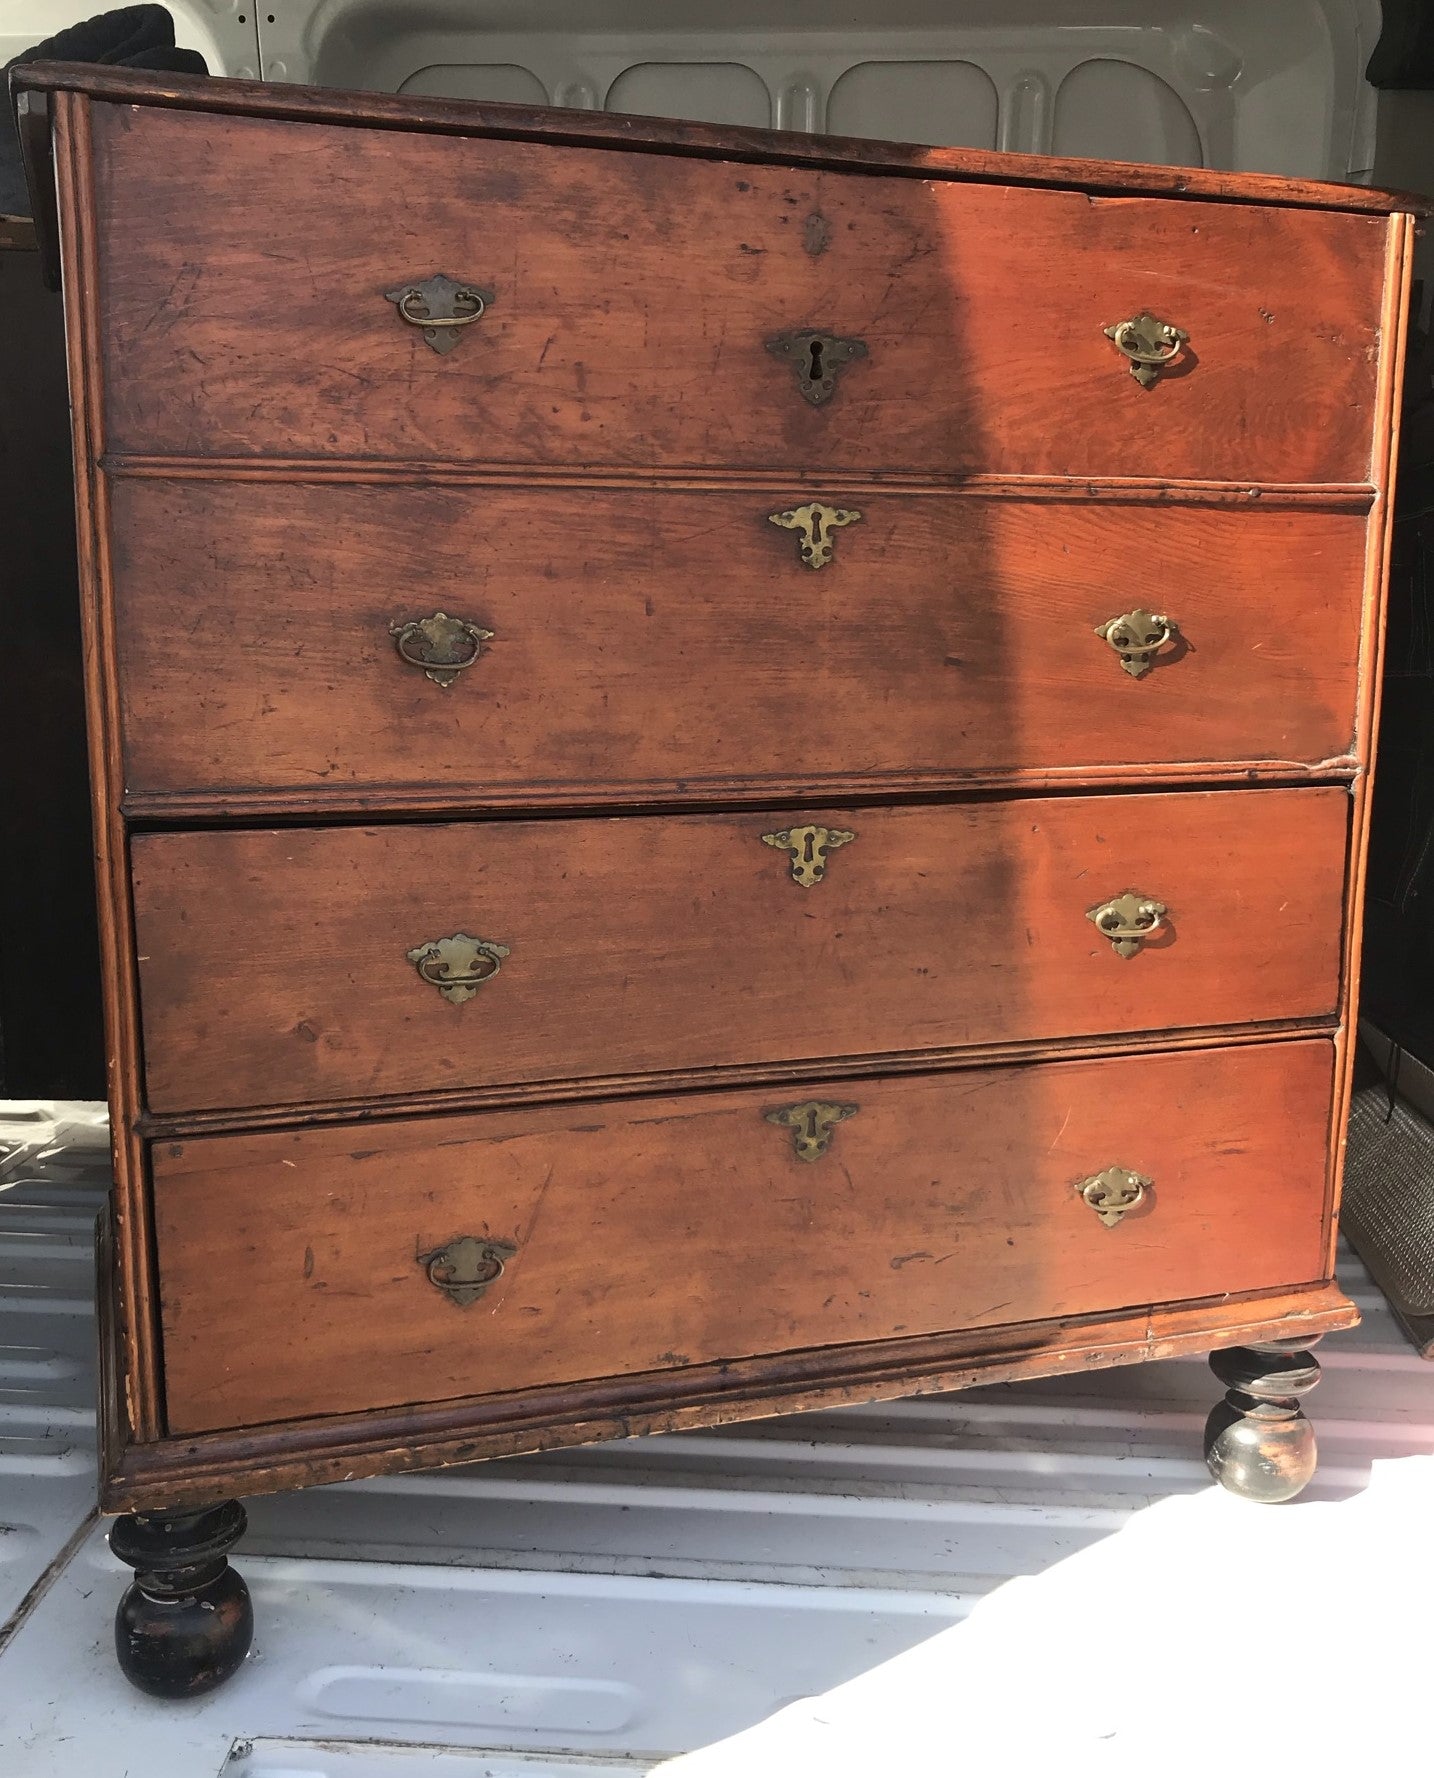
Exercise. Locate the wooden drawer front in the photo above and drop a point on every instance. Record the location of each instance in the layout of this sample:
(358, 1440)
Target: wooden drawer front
(672, 1232)
(647, 642)
(633, 297)
(274, 966)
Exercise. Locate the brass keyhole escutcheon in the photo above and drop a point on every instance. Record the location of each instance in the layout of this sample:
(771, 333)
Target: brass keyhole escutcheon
(441, 306)
(814, 526)
(459, 965)
(1137, 637)
(1128, 921)
(1111, 1193)
(442, 646)
(1149, 343)
(809, 847)
(464, 1268)
(811, 1123)
(816, 358)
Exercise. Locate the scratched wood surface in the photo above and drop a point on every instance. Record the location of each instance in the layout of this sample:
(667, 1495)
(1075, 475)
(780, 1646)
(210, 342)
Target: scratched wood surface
(244, 264)
(273, 964)
(680, 1230)
(659, 643)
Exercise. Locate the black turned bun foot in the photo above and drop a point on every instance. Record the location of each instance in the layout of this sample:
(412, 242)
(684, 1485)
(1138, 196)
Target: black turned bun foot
(186, 1623)
(1258, 1443)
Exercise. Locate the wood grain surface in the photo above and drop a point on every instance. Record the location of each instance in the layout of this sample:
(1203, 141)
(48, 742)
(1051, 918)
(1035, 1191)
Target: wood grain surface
(665, 643)
(681, 1230)
(244, 264)
(273, 964)
(669, 135)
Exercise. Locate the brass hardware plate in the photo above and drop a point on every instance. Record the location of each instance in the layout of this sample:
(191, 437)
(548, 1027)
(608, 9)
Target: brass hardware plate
(811, 1123)
(809, 847)
(441, 306)
(441, 645)
(1128, 921)
(464, 1268)
(458, 966)
(814, 526)
(1111, 1193)
(1149, 343)
(1137, 637)
(816, 358)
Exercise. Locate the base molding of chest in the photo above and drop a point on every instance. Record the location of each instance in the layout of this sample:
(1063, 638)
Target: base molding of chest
(181, 1472)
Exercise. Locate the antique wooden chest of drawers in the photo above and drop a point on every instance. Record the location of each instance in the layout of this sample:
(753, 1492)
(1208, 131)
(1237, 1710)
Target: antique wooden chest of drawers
(730, 772)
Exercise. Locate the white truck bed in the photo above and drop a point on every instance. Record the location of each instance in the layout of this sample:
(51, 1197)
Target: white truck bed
(1072, 1585)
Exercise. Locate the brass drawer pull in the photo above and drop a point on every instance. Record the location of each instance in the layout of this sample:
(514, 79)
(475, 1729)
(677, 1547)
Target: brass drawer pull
(815, 525)
(1148, 343)
(464, 1268)
(1128, 921)
(1112, 1193)
(1137, 637)
(458, 966)
(816, 358)
(442, 646)
(809, 847)
(440, 305)
(811, 1123)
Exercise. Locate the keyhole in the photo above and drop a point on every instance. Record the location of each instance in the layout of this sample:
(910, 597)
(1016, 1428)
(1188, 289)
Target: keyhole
(816, 372)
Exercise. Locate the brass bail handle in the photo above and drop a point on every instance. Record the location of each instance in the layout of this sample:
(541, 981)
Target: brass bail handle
(423, 319)
(1137, 637)
(464, 1268)
(1128, 921)
(433, 969)
(1111, 1193)
(458, 965)
(441, 647)
(1149, 343)
(439, 306)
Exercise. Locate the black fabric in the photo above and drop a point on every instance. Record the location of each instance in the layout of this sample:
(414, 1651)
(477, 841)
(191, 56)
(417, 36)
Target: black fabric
(1404, 55)
(129, 37)
(1397, 992)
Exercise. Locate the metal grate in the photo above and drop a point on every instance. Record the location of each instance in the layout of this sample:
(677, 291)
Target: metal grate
(1388, 1212)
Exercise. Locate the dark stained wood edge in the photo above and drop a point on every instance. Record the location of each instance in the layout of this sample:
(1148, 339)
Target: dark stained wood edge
(112, 1430)
(172, 1125)
(586, 129)
(133, 1233)
(1393, 338)
(269, 1459)
(694, 794)
(1077, 490)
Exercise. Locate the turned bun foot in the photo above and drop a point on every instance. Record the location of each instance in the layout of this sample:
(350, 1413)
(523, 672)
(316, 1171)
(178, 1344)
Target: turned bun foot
(186, 1623)
(1258, 1443)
